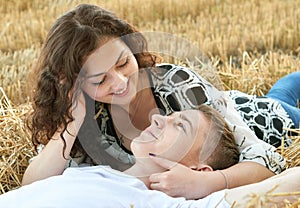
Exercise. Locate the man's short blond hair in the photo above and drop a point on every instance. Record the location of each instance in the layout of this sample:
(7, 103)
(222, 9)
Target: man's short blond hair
(219, 150)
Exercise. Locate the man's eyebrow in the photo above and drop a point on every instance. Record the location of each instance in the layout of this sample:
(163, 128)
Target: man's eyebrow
(99, 74)
(186, 119)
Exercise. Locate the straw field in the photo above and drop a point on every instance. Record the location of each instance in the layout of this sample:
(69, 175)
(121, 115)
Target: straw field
(251, 44)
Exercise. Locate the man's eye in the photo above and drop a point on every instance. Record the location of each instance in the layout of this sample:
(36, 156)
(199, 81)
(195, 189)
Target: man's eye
(180, 125)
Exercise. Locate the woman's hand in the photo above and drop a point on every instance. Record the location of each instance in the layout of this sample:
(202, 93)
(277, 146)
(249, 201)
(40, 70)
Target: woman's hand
(181, 181)
(78, 111)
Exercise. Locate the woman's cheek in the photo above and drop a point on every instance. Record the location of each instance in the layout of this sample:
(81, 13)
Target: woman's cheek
(96, 92)
(90, 92)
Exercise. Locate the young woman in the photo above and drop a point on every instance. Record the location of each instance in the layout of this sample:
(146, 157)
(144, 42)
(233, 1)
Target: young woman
(97, 88)
(183, 137)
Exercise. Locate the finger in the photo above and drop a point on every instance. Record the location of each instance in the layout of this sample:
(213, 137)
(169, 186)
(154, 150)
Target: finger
(161, 187)
(156, 186)
(155, 178)
(163, 162)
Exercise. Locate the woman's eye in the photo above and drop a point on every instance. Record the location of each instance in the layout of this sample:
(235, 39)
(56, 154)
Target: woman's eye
(124, 63)
(99, 83)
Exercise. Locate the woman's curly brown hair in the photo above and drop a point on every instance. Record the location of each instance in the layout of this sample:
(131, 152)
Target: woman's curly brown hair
(74, 36)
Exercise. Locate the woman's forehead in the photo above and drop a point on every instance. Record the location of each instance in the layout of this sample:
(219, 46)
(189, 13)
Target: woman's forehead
(105, 56)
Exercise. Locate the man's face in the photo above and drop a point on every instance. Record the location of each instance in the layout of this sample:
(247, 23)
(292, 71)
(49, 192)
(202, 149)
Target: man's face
(177, 137)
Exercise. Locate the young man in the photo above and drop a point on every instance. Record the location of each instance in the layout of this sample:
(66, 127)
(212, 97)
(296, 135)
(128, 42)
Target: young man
(197, 139)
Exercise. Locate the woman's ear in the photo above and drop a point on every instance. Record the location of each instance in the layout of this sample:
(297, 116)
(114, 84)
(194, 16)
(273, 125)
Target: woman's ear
(202, 167)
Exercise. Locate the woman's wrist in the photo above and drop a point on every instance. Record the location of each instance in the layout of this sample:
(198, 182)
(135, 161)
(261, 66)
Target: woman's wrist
(219, 180)
(225, 178)
(209, 182)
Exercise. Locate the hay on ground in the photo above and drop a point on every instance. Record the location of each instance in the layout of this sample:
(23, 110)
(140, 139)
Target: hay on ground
(15, 145)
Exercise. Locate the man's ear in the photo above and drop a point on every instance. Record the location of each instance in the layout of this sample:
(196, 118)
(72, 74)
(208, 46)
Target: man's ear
(202, 167)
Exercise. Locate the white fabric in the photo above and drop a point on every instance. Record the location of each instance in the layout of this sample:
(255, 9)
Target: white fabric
(98, 186)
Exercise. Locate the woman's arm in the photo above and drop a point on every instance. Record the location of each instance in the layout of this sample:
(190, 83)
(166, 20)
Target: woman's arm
(245, 173)
(181, 181)
(51, 161)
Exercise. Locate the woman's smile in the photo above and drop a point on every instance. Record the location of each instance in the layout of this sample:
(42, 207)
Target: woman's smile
(112, 74)
(123, 92)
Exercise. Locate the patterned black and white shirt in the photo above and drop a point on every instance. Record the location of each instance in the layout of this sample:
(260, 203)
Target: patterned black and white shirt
(265, 116)
(177, 88)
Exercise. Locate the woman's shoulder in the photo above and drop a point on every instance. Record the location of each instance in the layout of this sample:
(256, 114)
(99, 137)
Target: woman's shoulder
(172, 67)
(236, 94)
(178, 84)
(167, 71)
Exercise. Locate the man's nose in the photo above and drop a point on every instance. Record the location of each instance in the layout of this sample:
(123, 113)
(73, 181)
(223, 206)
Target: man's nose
(159, 120)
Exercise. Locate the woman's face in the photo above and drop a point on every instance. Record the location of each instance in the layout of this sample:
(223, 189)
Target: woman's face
(177, 137)
(111, 73)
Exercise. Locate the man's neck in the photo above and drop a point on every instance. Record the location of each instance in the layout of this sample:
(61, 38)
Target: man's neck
(142, 169)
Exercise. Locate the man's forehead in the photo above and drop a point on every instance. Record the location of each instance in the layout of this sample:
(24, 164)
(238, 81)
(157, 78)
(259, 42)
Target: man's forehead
(195, 117)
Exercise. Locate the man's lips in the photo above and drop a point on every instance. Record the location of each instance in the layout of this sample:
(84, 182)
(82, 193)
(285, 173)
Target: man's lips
(149, 131)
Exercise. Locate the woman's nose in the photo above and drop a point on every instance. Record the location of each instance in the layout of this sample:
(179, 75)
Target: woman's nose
(118, 81)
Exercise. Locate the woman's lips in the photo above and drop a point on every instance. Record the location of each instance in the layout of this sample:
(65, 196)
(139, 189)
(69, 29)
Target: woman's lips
(122, 92)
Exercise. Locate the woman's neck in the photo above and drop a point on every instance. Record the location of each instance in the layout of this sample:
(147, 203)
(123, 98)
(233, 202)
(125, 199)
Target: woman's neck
(130, 120)
(144, 94)
(142, 106)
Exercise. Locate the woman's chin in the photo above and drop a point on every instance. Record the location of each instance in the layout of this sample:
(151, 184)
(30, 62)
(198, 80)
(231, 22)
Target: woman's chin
(123, 100)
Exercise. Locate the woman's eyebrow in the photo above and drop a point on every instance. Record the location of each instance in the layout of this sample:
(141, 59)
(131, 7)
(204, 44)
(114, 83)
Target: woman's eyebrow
(120, 56)
(99, 74)
(95, 75)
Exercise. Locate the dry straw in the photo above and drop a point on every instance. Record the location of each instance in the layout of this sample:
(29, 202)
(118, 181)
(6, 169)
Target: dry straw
(292, 155)
(250, 44)
(271, 199)
(15, 146)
